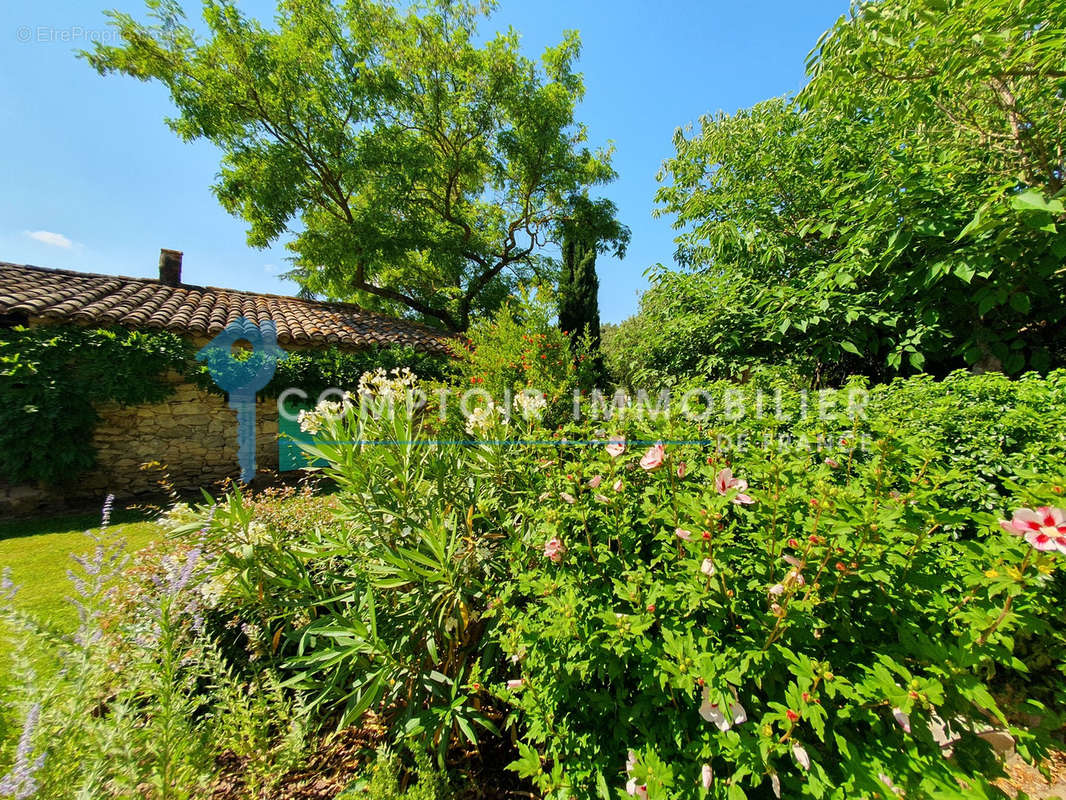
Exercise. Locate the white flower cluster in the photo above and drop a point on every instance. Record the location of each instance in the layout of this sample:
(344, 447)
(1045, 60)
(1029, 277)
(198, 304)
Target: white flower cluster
(481, 419)
(530, 404)
(394, 385)
(215, 589)
(177, 515)
(312, 421)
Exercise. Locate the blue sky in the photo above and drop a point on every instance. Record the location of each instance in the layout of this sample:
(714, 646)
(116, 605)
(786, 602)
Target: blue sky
(92, 179)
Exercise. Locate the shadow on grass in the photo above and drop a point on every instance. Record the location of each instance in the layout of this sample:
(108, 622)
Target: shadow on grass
(66, 523)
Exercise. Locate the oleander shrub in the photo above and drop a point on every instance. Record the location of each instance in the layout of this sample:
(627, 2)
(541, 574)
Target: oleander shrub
(383, 606)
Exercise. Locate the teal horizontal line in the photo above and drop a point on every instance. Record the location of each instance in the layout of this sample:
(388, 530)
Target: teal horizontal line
(553, 442)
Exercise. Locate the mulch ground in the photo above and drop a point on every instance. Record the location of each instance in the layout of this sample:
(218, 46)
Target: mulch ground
(1023, 778)
(342, 758)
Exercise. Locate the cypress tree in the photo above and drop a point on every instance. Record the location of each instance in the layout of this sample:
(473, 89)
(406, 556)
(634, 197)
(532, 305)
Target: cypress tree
(579, 305)
(591, 227)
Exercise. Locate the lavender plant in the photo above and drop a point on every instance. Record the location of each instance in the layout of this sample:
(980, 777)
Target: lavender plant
(21, 782)
(130, 697)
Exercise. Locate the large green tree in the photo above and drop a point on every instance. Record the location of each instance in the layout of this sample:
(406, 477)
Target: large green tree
(415, 169)
(904, 212)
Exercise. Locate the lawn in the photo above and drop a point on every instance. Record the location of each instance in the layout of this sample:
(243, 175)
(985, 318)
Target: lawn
(39, 553)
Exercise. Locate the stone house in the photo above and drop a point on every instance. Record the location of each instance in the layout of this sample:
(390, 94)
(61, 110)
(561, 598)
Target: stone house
(193, 432)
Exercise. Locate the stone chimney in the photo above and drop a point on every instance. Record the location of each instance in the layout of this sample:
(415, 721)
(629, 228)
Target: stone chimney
(170, 267)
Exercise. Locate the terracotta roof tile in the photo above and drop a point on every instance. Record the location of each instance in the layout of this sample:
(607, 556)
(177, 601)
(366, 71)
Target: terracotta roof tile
(83, 298)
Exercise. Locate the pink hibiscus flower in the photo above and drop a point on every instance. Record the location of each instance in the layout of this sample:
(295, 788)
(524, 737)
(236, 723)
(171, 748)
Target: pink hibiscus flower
(683, 534)
(632, 788)
(653, 459)
(724, 482)
(902, 719)
(616, 446)
(1044, 528)
(706, 776)
(554, 549)
(712, 713)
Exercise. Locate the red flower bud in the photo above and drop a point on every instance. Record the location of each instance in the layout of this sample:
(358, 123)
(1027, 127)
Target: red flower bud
(792, 715)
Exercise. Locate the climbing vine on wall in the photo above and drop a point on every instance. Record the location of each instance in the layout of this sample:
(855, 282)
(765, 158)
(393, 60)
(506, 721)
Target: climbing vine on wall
(52, 377)
(315, 370)
(50, 380)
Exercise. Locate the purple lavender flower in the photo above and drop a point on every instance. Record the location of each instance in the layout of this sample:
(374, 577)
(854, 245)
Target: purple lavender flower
(90, 583)
(105, 512)
(20, 782)
(182, 578)
(7, 588)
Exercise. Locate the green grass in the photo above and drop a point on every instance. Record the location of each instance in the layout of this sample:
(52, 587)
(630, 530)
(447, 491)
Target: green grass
(39, 554)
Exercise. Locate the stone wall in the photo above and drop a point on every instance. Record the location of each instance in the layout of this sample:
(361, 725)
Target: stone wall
(192, 435)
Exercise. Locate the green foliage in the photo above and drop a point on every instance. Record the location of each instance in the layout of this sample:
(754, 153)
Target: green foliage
(384, 610)
(519, 348)
(993, 70)
(692, 325)
(423, 168)
(866, 580)
(989, 432)
(256, 719)
(386, 779)
(53, 376)
(591, 230)
(140, 702)
(813, 617)
(579, 305)
(313, 371)
(900, 216)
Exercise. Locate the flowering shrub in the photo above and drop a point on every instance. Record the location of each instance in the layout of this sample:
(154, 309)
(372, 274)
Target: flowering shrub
(772, 624)
(520, 347)
(754, 605)
(384, 607)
